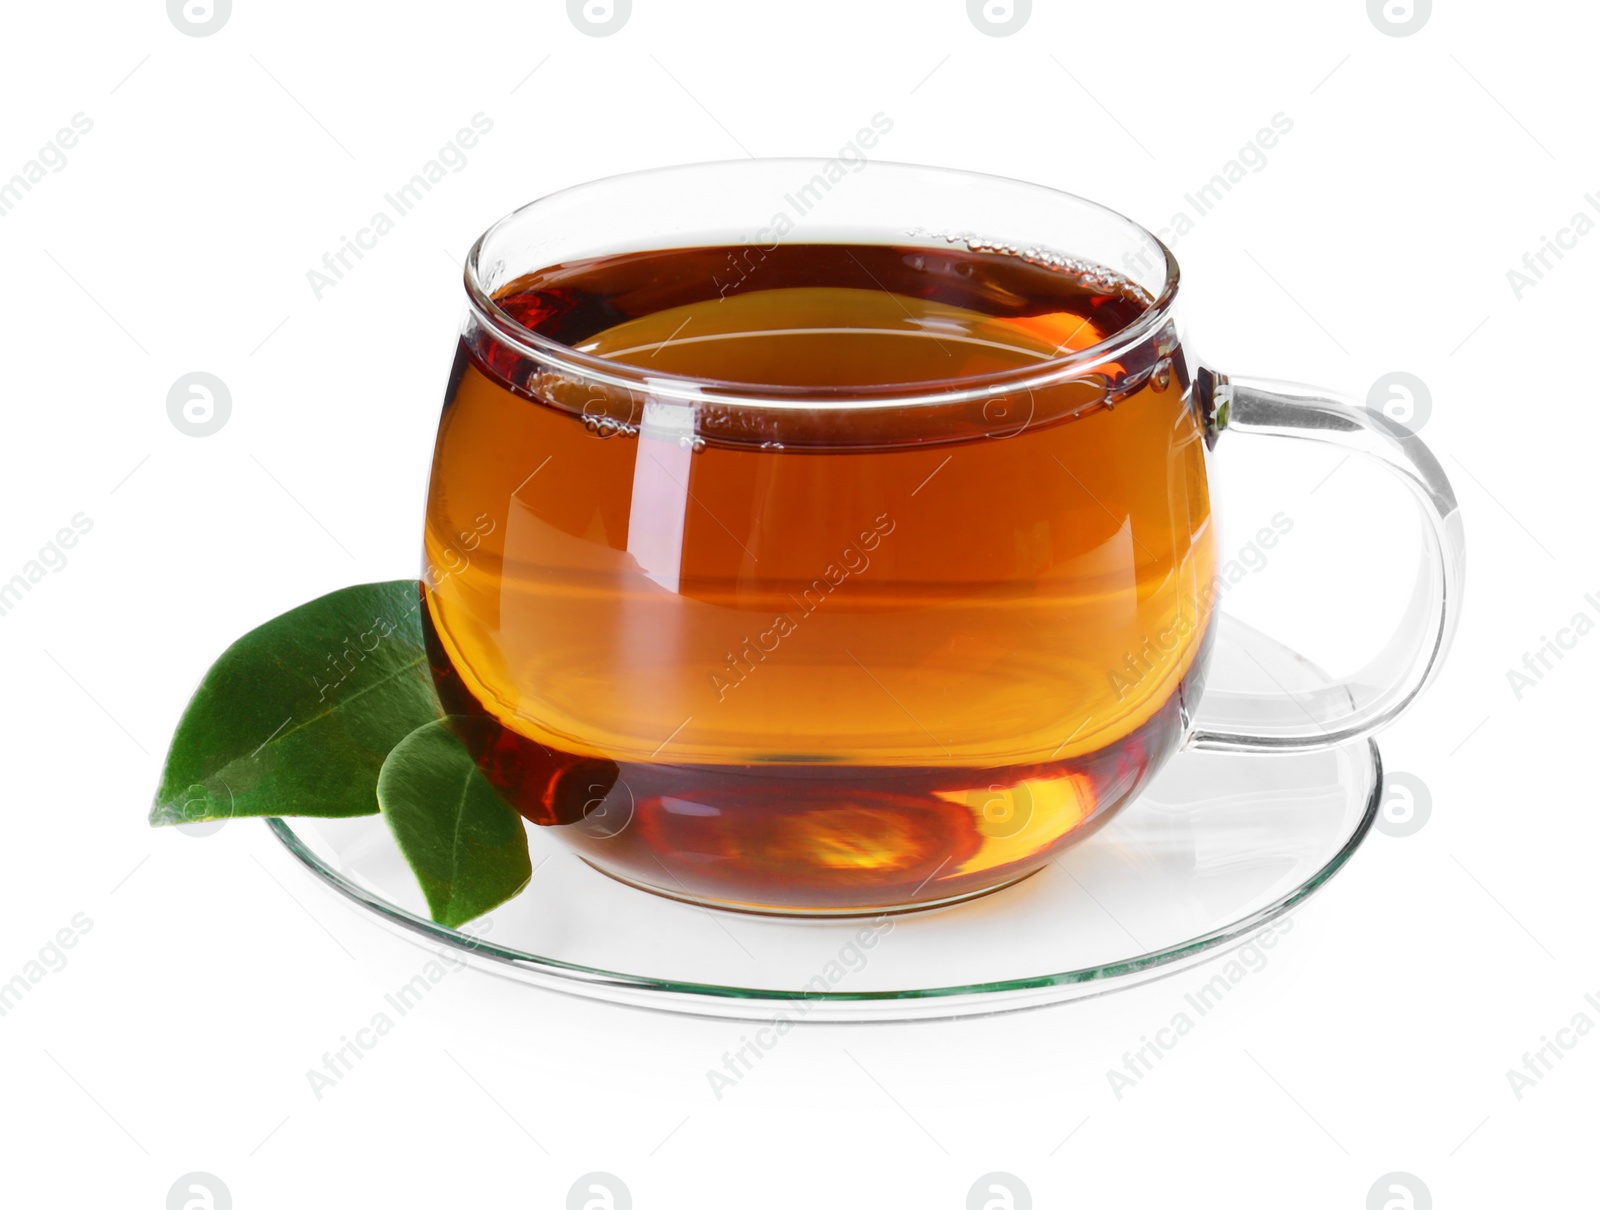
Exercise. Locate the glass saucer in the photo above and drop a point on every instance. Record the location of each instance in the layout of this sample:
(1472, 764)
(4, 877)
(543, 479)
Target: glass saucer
(1218, 847)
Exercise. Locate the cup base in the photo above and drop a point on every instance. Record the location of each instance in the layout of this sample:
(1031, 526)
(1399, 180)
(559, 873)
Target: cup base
(810, 913)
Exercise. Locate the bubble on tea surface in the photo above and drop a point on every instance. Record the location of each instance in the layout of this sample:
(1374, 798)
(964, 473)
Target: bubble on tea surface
(199, 404)
(999, 18)
(199, 18)
(1405, 806)
(1094, 277)
(1401, 397)
(599, 18)
(1399, 18)
(199, 1191)
(999, 1191)
(606, 413)
(599, 1191)
(1399, 1191)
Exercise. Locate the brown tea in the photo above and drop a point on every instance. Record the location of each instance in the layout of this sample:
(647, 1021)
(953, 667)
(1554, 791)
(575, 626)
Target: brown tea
(820, 652)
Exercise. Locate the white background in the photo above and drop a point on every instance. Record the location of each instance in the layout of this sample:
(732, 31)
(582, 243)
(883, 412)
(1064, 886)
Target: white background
(177, 237)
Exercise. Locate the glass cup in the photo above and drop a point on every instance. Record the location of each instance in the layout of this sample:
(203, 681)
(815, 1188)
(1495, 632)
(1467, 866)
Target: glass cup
(829, 631)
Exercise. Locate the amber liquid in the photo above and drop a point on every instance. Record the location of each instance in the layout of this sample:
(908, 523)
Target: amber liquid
(822, 659)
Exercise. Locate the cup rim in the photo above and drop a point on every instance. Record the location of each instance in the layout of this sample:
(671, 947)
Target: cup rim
(937, 392)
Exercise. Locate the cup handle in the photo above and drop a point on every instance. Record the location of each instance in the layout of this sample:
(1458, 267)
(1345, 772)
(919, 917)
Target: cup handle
(1377, 694)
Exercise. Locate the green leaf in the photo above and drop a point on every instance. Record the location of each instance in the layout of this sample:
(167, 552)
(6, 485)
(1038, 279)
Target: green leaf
(297, 717)
(467, 848)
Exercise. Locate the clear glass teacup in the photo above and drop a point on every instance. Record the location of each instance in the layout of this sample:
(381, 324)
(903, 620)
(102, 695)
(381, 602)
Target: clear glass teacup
(830, 539)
